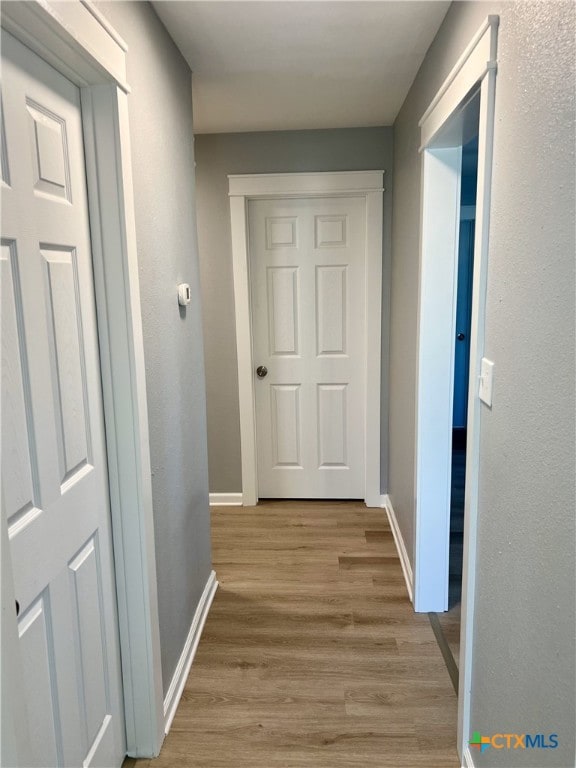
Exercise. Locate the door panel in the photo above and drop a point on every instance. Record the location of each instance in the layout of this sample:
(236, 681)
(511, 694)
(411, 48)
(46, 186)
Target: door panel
(53, 456)
(37, 648)
(286, 425)
(331, 305)
(19, 451)
(332, 425)
(307, 275)
(84, 572)
(283, 310)
(67, 361)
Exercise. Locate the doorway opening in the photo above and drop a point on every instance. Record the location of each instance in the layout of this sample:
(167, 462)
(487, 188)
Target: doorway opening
(447, 624)
(468, 184)
(281, 234)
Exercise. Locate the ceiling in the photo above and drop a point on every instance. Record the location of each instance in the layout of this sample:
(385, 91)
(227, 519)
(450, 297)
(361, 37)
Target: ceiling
(285, 65)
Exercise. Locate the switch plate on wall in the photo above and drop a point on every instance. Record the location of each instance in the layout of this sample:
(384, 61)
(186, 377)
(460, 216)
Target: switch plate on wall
(184, 295)
(486, 380)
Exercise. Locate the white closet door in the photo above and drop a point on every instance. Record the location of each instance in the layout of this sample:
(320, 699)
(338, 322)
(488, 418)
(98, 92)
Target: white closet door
(307, 274)
(55, 488)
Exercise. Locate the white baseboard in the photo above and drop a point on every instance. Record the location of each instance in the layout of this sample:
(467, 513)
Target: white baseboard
(400, 546)
(188, 652)
(225, 499)
(467, 761)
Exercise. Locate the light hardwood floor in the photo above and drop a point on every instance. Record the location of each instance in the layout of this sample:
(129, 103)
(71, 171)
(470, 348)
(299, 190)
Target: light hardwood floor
(450, 623)
(312, 654)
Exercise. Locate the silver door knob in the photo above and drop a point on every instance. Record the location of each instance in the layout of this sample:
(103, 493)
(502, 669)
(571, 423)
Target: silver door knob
(261, 371)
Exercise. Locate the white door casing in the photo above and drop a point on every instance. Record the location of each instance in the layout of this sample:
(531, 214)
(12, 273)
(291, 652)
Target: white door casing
(307, 267)
(367, 186)
(55, 488)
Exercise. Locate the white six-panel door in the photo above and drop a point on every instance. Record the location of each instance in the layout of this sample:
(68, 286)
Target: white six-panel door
(307, 275)
(54, 477)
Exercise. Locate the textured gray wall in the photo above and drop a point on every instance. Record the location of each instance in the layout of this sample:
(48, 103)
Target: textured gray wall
(163, 167)
(217, 155)
(524, 651)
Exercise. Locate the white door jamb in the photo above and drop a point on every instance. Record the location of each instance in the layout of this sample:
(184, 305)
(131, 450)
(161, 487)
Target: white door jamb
(80, 43)
(475, 69)
(242, 189)
(435, 374)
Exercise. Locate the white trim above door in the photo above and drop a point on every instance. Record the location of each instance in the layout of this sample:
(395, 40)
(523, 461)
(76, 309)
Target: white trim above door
(242, 189)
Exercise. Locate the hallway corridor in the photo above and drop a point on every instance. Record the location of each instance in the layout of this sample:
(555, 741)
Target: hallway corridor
(311, 654)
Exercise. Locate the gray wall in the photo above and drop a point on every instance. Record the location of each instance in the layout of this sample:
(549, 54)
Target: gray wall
(163, 167)
(524, 615)
(217, 155)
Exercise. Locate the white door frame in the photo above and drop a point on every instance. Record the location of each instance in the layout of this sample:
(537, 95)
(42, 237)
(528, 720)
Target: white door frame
(80, 43)
(242, 189)
(441, 159)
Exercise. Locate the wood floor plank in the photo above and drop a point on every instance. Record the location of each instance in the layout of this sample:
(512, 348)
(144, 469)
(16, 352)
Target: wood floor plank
(373, 537)
(450, 624)
(312, 656)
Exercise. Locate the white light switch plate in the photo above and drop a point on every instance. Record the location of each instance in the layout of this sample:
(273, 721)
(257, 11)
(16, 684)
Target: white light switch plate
(486, 379)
